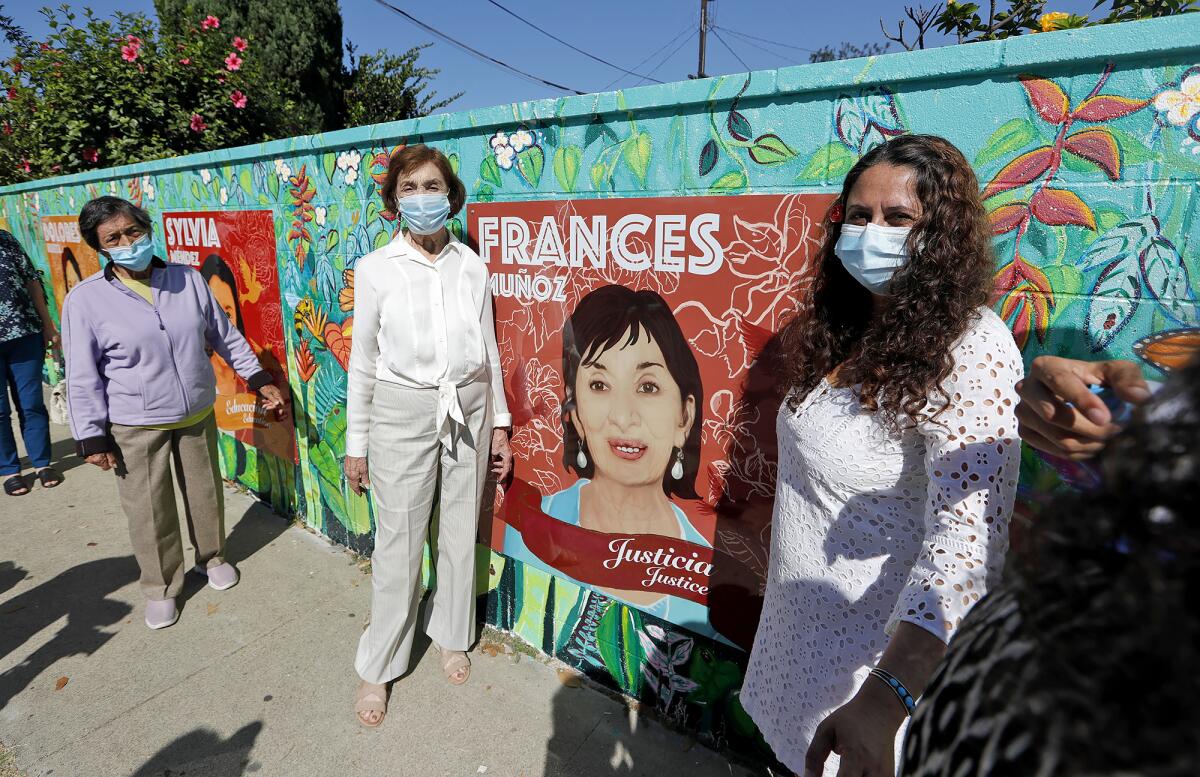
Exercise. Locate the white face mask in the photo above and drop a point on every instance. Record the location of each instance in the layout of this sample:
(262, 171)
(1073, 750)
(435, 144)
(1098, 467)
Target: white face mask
(873, 254)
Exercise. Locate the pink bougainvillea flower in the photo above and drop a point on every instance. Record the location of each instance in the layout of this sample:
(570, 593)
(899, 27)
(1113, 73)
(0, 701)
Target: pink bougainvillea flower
(16, 66)
(12, 93)
(44, 46)
(129, 53)
(221, 79)
(133, 40)
(239, 99)
(25, 166)
(240, 44)
(185, 61)
(233, 61)
(7, 128)
(91, 155)
(198, 124)
(210, 23)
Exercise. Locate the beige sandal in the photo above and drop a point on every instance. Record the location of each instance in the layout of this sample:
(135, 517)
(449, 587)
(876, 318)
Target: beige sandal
(455, 662)
(370, 698)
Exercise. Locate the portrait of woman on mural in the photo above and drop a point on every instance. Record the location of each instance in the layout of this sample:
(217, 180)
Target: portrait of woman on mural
(70, 270)
(632, 419)
(260, 432)
(898, 462)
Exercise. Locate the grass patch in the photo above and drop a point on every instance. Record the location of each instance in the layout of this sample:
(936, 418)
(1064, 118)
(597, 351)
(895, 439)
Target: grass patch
(8, 763)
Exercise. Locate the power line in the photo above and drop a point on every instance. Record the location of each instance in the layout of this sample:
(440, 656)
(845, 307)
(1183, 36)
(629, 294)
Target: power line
(589, 55)
(752, 44)
(730, 49)
(765, 40)
(674, 51)
(658, 51)
(474, 52)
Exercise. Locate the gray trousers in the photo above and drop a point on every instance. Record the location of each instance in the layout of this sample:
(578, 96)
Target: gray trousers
(405, 461)
(146, 457)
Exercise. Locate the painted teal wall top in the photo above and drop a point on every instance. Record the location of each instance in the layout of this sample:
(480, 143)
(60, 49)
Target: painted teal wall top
(1166, 37)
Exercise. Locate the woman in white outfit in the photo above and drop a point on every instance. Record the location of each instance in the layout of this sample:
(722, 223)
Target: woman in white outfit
(898, 463)
(426, 409)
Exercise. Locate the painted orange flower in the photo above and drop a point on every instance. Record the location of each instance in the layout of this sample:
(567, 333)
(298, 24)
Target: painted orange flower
(305, 362)
(346, 295)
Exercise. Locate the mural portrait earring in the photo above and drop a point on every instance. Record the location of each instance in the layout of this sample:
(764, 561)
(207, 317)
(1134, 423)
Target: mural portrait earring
(677, 467)
(581, 459)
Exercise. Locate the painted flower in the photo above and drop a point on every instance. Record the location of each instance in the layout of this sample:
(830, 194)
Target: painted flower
(240, 44)
(282, 170)
(185, 61)
(197, 124)
(349, 162)
(505, 156)
(210, 23)
(1049, 22)
(224, 195)
(520, 140)
(238, 98)
(91, 155)
(233, 61)
(148, 186)
(205, 176)
(129, 53)
(1182, 106)
(305, 363)
(499, 139)
(320, 217)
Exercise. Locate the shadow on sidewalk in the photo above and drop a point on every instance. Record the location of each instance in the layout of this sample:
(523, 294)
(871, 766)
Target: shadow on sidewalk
(258, 527)
(203, 753)
(81, 594)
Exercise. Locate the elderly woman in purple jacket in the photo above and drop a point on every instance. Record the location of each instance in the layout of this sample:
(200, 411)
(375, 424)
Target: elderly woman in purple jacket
(140, 388)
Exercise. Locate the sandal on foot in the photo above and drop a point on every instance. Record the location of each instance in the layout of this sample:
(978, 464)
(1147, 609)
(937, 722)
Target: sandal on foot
(370, 698)
(455, 664)
(15, 486)
(49, 477)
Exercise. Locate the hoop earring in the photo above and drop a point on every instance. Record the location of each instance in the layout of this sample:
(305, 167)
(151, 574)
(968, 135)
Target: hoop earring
(677, 467)
(581, 459)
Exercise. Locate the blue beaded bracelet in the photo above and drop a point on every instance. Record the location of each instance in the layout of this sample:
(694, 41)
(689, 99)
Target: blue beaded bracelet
(897, 688)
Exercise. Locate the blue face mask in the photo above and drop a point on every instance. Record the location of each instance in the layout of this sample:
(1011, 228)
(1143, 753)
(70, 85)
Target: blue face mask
(425, 214)
(873, 254)
(136, 256)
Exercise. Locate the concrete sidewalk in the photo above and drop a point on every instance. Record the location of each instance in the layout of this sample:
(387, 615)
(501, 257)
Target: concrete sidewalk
(258, 680)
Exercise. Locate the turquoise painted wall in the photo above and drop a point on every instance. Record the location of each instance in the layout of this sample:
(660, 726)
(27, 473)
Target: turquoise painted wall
(1087, 143)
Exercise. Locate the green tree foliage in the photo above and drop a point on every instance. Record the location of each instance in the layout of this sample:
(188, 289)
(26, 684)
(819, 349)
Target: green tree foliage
(299, 43)
(101, 92)
(389, 87)
(847, 51)
(971, 22)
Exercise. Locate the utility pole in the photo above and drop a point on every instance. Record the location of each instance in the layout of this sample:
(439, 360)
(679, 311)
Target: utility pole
(703, 34)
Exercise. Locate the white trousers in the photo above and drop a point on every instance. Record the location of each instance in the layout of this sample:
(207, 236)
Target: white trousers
(406, 460)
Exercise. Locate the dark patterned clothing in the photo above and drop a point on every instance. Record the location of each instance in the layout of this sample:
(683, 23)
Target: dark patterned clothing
(18, 316)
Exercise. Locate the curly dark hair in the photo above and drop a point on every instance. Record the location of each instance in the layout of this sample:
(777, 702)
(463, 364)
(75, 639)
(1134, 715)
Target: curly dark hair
(1086, 661)
(901, 357)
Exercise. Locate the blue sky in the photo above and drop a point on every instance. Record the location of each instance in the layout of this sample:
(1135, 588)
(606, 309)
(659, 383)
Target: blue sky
(624, 32)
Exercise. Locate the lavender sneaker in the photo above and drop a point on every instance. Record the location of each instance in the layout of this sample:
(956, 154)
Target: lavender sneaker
(221, 577)
(161, 613)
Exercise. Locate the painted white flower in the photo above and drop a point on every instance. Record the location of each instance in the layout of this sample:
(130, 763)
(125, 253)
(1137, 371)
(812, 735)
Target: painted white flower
(112, 187)
(224, 195)
(348, 162)
(504, 156)
(282, 170)
(521, 139)
(499, 139)
(205, 176)
(1183, 105)
(148, 187)
(351, 176)
(321, 213)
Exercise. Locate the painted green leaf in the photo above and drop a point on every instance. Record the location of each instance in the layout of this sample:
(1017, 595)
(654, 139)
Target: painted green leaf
(731, 181)
(329, 477)
(247, 181)
(486, 193)
(637, 155)
(549, 135)
(329, 163)
(453, 158)
(358, 513)
(1107, 218)
(372, 211)
(530, 163)
(1009, 137)
(769, 149)
(831, 161)
(739, 126)
(598, 129)
(1077, 164)
(567, 160)
(196, 193)
(708, 157)
(490, 171)
(335, 427)
(1112, 302)
(620, 648)
(1133, 150)
(331, 240)
(456, 228)
(598, 175)
(381, 239)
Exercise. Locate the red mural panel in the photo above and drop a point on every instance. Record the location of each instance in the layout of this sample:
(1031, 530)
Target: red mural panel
(235, 252)
(630, 332)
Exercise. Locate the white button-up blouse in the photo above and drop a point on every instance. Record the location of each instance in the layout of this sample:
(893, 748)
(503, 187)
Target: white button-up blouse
(423, 325)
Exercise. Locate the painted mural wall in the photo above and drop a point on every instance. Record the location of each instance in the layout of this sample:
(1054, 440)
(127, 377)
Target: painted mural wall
(1087, 144)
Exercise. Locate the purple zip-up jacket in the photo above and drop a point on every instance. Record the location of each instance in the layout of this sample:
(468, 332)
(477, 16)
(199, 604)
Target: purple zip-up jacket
(136, 364)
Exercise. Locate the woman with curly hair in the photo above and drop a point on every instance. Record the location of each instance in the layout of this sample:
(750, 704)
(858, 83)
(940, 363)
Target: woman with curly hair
(1086, 661)
(898, 462)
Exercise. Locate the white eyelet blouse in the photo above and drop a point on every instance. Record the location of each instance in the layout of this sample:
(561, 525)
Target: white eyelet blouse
(873, 527)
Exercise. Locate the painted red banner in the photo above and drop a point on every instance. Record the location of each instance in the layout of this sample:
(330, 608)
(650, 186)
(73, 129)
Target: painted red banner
(235, 252)
(630, 332)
